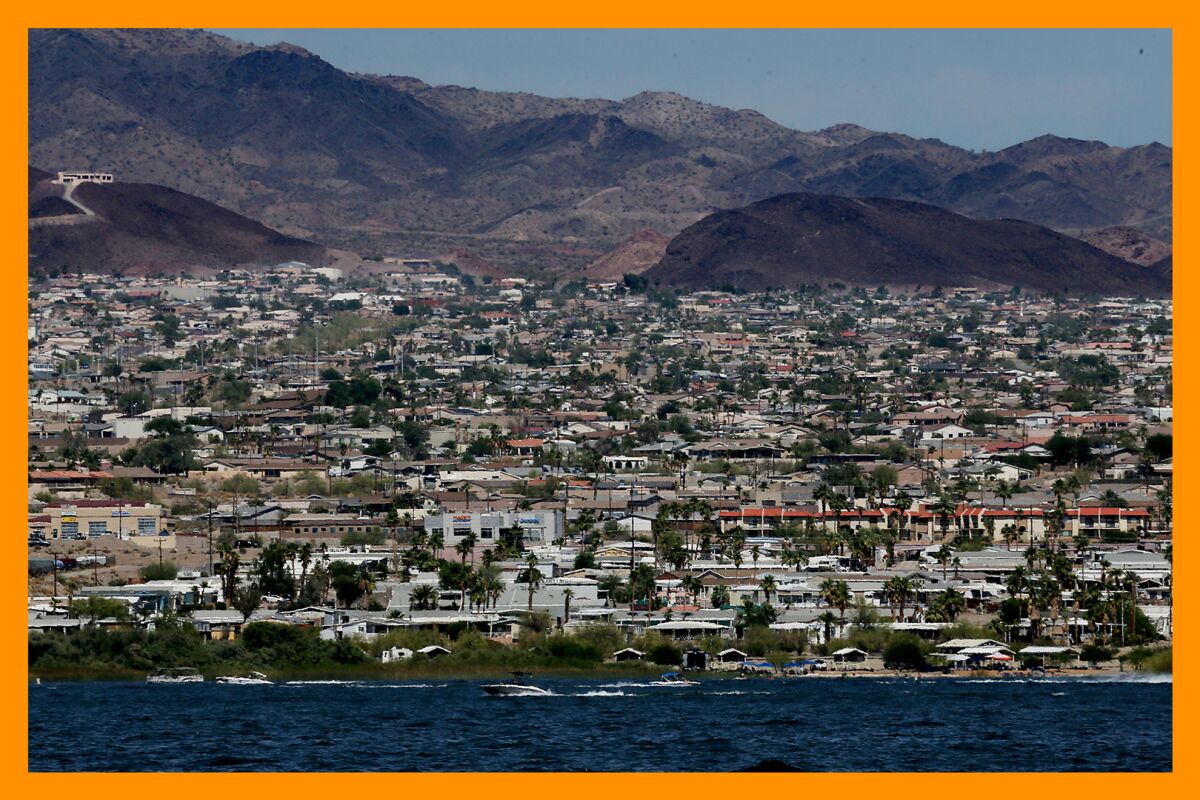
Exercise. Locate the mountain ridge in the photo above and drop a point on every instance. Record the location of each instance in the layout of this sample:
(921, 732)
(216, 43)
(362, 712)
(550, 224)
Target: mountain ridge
(391, 165)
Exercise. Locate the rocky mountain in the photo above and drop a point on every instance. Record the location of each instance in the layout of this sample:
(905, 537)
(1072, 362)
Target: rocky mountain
(635, 255)
(141, 227)
(1163, 268)
(1129, 244)
(393, 166)
(805, 239)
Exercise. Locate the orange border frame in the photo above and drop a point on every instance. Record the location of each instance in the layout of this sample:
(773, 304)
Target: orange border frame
(543, 14)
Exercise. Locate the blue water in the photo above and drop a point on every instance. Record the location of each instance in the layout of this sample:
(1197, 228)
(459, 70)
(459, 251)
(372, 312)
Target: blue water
(814, 724)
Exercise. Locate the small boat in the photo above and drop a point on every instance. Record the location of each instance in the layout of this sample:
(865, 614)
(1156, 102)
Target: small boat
(515, 687)
(252, 679)
(176, 675)
(673, 679)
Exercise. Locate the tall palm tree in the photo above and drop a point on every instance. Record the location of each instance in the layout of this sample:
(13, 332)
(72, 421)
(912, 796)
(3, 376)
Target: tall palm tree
(943, 556)
(944, 508)
(306, 557)
(902, 502)
(366, 584)
(437, 541)
(898, 591)
(533, 576)
(827, 619)
(836, 594)
(1005, 491)
(768, 586)
(567, 595)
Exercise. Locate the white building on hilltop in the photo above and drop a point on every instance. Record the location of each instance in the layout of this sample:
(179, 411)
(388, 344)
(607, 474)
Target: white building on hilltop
(75, 178)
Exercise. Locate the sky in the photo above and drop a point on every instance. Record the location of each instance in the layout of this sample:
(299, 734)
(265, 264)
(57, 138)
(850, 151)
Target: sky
(980, 89)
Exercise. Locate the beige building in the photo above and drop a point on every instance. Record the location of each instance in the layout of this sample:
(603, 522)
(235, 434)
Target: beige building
(91, 518)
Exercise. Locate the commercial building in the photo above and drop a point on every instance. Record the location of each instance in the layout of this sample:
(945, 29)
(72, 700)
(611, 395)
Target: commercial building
(91, 518)
(489, 526)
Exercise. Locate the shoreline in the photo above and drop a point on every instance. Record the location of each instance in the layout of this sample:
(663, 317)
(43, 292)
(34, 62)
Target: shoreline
(617, 672)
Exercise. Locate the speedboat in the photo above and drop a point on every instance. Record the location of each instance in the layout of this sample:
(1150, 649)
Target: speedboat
(252, 679)
(673, 679)
(515, 687)
(176, 675)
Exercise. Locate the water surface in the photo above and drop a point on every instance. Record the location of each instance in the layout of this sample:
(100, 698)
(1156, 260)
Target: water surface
(812, 724)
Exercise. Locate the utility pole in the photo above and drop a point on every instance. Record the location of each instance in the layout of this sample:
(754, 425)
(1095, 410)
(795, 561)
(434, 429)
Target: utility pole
(54, 591)
(210, 560)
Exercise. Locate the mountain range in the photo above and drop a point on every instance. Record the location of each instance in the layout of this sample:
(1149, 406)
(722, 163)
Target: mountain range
(389, 165)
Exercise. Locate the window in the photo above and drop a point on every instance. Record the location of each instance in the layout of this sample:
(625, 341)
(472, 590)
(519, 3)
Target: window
(146, 526)
(97, 527)
(70, 529)
(486, 533)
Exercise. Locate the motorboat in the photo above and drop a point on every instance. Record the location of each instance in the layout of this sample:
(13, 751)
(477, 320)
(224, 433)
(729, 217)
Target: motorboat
(673, 679)
(176, 675)
(517, 686)
(251, 679)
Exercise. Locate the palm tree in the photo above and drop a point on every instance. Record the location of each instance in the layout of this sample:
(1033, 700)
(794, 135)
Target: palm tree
(1009, 533)
(366, 584)
(753, 614)
(642, 584)
(768, 586)
(423, 597)
(944, 508)
(898, 591)
(437, 541)
(1005, 491)
(611, 584)
(463, 547)
(902, 502)
(567, 595)
(943, 556)
(737, 544)
(533, 577)
(305, 563)
(828, 619)
(837, 595)
(947, 606)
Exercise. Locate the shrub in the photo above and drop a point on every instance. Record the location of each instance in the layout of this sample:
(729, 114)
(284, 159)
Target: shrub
(166, 571)
(903, 651)
(666, 654)
(1093, 653)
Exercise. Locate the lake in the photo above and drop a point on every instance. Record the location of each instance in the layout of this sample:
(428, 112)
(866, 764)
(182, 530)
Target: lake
(811, 724)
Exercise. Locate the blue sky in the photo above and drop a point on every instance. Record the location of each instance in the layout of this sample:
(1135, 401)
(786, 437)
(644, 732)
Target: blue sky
(979, 89)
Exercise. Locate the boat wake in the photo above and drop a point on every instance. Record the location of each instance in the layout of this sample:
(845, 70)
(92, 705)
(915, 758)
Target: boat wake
(622, 685)
(322, 683)
(400, 685)
(607, 694)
